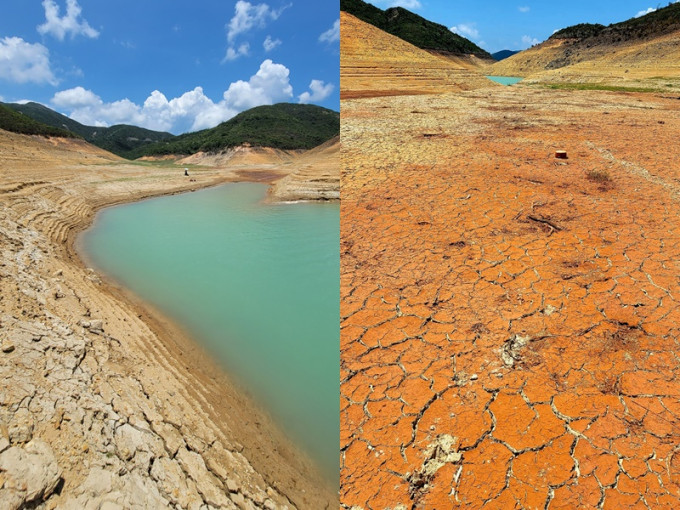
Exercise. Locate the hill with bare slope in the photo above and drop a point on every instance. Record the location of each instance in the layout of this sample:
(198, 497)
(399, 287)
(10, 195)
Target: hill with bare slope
(375, 63)
(641, 52)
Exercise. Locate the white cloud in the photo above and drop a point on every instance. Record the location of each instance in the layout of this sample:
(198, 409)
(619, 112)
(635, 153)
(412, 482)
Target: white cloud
(468, 30)
(269, 85)
(527, 41)
(233, 54)
(524, 8)
(320, 91)
(332, 34)
(71, 23)
(647, 11)
(269, 44)
(192, 110)
(23, 62)
(76, 97)
(248, 16)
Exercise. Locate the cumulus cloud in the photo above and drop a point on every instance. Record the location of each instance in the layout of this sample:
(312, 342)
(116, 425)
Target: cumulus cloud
(527, 40)
(468, 30)
(524, 8)
(332, 34)
(241, 51)
(193, 110)
(23, 62)
(269, 85)
(646, 11)
(269, 44)
(70, 24)
(76, 97)
(248, 16)
(319, 92)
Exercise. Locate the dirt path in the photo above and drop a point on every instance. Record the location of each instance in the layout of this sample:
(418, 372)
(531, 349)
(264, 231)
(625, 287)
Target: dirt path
(509, 333)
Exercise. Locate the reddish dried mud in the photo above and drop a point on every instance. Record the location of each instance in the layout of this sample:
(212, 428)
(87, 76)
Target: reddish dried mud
(509, 321)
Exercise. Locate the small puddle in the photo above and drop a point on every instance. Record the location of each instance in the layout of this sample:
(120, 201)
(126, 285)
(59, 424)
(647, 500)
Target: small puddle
(505, 80)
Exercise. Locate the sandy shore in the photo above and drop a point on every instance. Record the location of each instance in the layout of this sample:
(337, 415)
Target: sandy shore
(103, 401)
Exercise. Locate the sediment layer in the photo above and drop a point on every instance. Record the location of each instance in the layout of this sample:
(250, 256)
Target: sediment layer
(374, 63)
(509, 334)
(316, 176)
(103, 403)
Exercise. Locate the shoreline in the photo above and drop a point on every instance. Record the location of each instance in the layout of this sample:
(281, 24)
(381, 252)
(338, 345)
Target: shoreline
(213, 436)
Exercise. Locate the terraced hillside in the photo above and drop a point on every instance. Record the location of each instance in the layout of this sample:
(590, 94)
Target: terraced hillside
(640, 52)
(375, 63)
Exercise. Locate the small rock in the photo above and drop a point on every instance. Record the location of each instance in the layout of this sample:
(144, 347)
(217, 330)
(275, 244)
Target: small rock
(474, 377)
(96, 325)
(7, 345)
(32, 471)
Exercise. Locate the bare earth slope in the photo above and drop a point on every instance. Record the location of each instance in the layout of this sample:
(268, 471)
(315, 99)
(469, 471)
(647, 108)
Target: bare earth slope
(316, 176)
(651, 63)
(103, 404)
(374, 63)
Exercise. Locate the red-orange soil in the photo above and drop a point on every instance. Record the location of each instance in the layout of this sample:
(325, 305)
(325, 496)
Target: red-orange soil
(510, 322)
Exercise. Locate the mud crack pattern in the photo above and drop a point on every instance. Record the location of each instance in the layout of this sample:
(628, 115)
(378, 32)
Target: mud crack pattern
(509, 322)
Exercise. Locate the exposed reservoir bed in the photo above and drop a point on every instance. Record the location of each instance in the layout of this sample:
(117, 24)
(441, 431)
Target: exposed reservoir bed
(505, 80)
(256, 284)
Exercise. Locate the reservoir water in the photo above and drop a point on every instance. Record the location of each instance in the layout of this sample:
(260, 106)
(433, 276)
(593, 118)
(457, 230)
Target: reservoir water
(257, 284)
(505, 80)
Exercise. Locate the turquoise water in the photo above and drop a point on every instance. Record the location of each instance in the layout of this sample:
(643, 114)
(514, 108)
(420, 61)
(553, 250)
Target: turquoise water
(257, 284)
(505, 80)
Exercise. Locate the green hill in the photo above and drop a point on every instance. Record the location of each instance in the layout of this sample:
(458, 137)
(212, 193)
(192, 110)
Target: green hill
(413, 29)
(281, 126)
(503, 54)
(16, 122)
(660, 22)
(122, 139)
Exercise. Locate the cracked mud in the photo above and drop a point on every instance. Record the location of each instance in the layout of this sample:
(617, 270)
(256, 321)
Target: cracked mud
(509, 321)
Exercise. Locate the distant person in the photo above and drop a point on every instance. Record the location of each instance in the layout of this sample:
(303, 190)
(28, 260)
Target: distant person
(186, 172)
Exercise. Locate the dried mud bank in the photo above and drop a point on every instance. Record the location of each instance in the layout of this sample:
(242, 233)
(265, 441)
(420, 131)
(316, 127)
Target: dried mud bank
(509, 321)
(103, 403)
(316, 176)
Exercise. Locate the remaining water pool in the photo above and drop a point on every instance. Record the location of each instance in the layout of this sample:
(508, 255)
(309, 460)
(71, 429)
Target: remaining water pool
(257, 284)
(505, 80)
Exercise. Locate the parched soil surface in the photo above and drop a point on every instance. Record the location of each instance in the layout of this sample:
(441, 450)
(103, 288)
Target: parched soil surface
(103, 402)
(509, 320)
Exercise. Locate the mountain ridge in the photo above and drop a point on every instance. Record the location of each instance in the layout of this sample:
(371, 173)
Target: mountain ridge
(639, 53)
(120, 139)
(414, 29)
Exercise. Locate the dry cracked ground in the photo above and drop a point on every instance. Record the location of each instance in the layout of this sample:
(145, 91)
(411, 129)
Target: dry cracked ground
(509, 320)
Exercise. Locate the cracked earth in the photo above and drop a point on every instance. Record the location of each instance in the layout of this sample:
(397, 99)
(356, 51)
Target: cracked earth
(509, 320)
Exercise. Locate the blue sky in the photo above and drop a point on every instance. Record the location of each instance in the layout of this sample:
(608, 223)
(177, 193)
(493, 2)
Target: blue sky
(171, 65)
(507, 24)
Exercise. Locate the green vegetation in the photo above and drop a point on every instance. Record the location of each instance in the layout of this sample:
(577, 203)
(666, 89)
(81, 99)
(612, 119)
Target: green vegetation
(503, 54)
(413, 28)
(654, 24)
(580, 31)
(19, 123)
(596, 86)
(122, 140)
(280, 126)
